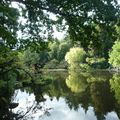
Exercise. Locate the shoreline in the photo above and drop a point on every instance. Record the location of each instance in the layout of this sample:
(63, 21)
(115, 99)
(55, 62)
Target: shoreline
(102, 70)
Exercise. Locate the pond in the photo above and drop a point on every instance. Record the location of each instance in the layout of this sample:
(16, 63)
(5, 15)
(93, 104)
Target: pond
(70, 96)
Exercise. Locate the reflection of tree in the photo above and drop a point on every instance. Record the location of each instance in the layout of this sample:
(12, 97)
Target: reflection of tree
(96, 83)
(115, 86)
(98, 76)
(89, 89)
(74, 100)
(76, 82)
(102, 98)
(37, 91)
(29, 110)
(6, 91)
(86, 89)
(57, 88)
(7, 103)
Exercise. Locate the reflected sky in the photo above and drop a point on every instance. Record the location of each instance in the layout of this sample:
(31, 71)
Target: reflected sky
(55, 109)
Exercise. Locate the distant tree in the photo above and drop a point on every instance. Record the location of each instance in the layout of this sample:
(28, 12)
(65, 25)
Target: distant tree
(52, 64)
(58, 49)
(43, 58)
(75, 55)
(64, 47)
(53, 46)
(29, 59)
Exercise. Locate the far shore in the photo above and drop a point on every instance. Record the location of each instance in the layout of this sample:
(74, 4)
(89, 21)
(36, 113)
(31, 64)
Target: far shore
(102, 70)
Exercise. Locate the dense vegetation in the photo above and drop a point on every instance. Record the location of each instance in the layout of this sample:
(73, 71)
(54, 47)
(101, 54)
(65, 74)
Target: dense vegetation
(26, 35)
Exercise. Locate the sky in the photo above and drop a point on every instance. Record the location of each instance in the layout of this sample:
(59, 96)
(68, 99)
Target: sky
(119, 1)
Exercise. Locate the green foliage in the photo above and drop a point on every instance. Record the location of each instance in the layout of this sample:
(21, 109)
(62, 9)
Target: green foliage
(76, 82)
(90, 30)
(93, 60)
(75, 57)
(115, 86)
(52, 64)
(43, 58)
(30, 58)
(81, 27)
(7, 55)
(114, 59)
(62, 65)
(118, 31)
(103, 39)
(97, 63)
(8, 25)
(2, 83)
(58, 49)
(63, 49)
(53, 46)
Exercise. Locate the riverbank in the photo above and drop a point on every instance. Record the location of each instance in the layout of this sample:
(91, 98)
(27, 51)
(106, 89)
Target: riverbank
(109, 70)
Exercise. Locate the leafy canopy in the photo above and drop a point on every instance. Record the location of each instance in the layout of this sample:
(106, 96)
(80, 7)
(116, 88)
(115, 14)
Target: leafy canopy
(79, 16)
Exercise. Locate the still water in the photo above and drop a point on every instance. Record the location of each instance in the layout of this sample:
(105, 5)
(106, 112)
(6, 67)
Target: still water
(70, 96)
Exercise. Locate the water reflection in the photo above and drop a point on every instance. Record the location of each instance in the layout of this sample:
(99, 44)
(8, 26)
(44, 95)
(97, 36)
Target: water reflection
(78, 96)
(6, 104)
(115, 86)
(76, 82)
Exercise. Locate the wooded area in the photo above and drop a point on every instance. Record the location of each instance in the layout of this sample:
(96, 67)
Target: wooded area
(92, 26)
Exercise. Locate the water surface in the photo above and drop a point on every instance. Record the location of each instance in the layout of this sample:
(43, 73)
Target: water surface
(70, 96)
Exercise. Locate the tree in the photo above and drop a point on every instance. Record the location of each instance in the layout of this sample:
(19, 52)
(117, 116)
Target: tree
(103, 39)
(53, 46)
(29, 59)
(8, 25)
(58, 49)
(115, 55)
(75, 57)
(64, 47)
(43, 57)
